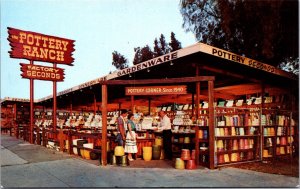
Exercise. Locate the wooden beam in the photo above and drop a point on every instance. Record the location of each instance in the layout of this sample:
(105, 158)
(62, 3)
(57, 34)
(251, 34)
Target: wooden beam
(220, 71)
(159, 81)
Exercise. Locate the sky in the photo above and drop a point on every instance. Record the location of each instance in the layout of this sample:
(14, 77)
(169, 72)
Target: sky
(98, 27)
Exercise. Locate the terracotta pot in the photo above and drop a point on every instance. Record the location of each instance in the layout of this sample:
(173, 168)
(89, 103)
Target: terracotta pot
(185, 154)
(193, 156)
(191, 164)
(156, 152)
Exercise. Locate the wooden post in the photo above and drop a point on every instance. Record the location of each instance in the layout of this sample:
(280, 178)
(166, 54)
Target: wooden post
(31, 109)
(61, 140)
(261, 138)
(54, 105)
(104, 126)
(197, 127)
(211, 123)
(197, 117)
(16, 130)
(193, 102)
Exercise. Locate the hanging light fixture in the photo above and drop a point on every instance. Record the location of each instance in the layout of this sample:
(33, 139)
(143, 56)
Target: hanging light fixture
(130, 75)
(171, 63)
(148, 70)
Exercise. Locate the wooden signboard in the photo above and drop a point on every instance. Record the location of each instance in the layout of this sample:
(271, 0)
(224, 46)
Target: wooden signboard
(39, 47)
(30, 71)
(156, 90)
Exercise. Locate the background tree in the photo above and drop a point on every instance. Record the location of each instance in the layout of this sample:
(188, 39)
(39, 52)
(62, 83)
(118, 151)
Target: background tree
(142, 54)
(163, 44)
(119, 61)
(174, 44)
(157, 49)
(263, 30)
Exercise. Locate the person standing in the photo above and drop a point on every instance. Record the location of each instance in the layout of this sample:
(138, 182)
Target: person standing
(165, 123)
(130, 145)
(121, 123)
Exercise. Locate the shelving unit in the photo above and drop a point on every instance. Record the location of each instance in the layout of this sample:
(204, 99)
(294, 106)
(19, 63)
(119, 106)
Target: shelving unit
(237, 135)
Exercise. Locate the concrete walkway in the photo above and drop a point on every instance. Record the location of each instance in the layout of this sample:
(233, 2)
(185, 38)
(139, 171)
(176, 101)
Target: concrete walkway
(26, 165)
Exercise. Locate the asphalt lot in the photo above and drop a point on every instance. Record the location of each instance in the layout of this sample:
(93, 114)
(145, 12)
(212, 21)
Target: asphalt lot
(27, 165)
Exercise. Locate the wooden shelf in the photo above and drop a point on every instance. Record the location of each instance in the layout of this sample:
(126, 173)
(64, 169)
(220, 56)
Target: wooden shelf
(234, 151)
(236, 136)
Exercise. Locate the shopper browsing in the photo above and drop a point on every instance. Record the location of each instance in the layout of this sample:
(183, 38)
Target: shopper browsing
(165, 123)
(130, 145)
(121, 123)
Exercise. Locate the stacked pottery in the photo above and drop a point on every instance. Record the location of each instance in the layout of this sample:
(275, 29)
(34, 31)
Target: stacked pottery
(233, 157)
(265, 153)
(201, 134)
(186, 140)
(185, 154)
(86, 153)
(179, 163)
(191, 164)
(158, 141)
(193, 156)
(75, 148)
(220, 145)
(242, 144)
(80, 146)
(119, 151)
(226, 158)
(147, 153)
(235, 144)
(186, 160)
(221, 158)
(156, 152)
(282, 141)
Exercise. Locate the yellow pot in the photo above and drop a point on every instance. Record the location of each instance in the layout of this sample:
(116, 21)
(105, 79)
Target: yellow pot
(147, 153)
(82, 153)
(158, 141)
(119, 151)
(179, 164)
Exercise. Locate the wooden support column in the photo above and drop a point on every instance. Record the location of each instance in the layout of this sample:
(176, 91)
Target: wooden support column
(16, 126)
(197, 117)
(193, 103)
(54, 106)
(259, 146)
(211, 123)
(31, 109)
(104, 126)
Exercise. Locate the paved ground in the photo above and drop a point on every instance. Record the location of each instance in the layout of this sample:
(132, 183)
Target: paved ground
(26, 165)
